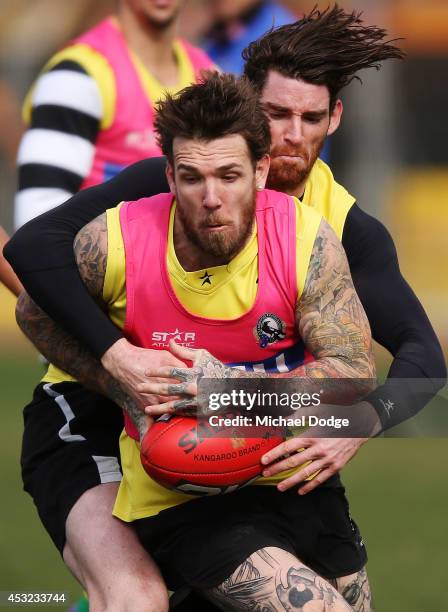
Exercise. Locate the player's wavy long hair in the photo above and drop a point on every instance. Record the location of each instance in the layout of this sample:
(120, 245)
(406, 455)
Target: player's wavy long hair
(324, 48)
(218, 106)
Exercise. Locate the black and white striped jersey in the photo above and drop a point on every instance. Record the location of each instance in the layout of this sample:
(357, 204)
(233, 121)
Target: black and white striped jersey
(64, 112)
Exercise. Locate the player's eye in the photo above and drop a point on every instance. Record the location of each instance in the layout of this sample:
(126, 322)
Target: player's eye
(312, 119)
(230, 178)
(190, 179)
(277, 114)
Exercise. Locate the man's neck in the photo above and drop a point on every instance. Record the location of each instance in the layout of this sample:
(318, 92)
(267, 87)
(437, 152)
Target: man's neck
(297, 191)
(153, 46)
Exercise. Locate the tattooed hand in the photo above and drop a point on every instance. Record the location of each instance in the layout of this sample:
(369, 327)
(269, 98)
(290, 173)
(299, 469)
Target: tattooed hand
(203, 365)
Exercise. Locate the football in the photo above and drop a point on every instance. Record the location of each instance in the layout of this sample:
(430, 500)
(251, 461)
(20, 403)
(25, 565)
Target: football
(193, 457)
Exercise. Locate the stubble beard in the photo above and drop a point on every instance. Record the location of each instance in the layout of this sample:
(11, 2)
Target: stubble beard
(289, 177)
(223, 244)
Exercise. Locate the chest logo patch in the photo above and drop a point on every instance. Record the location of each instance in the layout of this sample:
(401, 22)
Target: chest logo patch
(269, 329)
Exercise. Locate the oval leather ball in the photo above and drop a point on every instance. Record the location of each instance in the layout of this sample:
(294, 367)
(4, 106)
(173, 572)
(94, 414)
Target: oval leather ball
(193, 457)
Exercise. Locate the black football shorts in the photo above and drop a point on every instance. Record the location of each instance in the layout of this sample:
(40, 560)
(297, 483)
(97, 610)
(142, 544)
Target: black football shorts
(70, 444)
(201, 542)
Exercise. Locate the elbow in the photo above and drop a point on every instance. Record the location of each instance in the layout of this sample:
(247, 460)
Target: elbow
(9, 252)
(16, 250)
(421, 359)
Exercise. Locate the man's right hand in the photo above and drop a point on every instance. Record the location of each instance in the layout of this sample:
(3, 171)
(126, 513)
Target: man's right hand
(128, 364)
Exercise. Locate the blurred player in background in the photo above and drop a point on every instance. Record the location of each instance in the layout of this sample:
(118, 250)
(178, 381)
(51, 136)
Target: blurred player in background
(236, 23)
(89, 115)
(90, 112)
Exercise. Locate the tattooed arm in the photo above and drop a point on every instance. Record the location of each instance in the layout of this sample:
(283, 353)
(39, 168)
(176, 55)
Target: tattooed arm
(66, 353)
(331, 322)
(57, 346)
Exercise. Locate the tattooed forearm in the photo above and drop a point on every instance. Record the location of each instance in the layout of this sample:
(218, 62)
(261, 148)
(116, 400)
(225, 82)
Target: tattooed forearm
(68, 354)
(57, 346)
(90, 249)
(129, 404)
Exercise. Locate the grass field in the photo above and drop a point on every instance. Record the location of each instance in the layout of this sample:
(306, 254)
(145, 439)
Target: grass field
(397, 489)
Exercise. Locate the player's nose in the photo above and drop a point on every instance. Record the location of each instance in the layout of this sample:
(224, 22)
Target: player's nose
(211, 199)
(293, 131)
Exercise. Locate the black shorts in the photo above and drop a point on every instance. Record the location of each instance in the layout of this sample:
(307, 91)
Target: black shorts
(70, 444)
(201, 542)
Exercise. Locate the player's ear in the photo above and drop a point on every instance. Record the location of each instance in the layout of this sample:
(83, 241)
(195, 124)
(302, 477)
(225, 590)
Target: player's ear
(262, 171)
(170, 177)
(335, 117)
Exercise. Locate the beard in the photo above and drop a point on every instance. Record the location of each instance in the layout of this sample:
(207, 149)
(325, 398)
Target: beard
(225, 243)
(288, 175)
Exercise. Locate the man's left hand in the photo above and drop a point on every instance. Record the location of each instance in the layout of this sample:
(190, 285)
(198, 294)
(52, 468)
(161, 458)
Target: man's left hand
(319, 455)
(322, 456)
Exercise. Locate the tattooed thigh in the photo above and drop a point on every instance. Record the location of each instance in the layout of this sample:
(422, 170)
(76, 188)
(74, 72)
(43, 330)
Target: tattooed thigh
(274, 580)
(355, 589)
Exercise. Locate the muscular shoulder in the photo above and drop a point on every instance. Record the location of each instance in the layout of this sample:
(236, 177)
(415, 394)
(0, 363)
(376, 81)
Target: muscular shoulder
(90, 249)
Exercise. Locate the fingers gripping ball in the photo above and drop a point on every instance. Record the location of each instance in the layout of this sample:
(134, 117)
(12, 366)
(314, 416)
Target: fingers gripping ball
(193, 457)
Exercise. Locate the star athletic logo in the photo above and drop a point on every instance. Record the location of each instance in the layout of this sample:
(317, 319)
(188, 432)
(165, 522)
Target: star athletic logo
(161, 339)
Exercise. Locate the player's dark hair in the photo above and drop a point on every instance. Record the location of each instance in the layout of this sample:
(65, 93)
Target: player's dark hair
(218, 106)
(324, 48)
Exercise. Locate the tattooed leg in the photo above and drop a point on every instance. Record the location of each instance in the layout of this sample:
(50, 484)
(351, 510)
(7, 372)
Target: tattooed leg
(355, 589)
(274, 580)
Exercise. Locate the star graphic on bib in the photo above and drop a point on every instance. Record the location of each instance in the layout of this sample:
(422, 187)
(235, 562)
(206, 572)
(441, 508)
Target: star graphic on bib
(206, 278)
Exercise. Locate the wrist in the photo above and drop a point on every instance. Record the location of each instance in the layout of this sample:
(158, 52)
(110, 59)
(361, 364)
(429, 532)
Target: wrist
(114, 355)
(371, 420)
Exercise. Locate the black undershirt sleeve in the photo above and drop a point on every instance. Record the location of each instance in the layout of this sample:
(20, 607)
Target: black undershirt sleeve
(397, 320)
(41, 253)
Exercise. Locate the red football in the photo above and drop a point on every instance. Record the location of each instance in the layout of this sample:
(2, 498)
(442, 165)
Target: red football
(193, 457)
